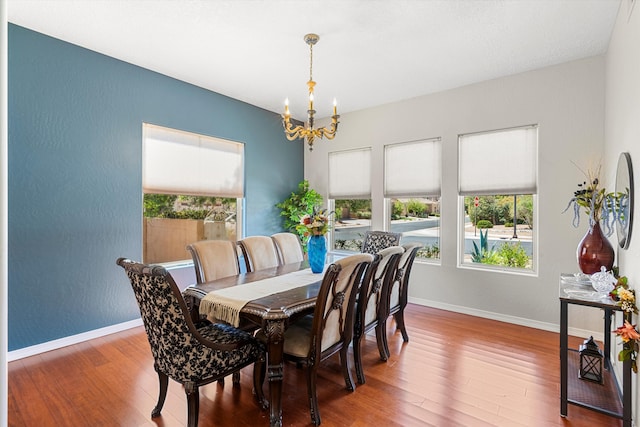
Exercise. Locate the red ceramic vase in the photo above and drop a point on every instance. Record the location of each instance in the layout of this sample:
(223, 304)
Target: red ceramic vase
(594, 251)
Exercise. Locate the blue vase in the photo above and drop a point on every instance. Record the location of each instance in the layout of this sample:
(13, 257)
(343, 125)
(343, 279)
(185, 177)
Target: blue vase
(317, 252)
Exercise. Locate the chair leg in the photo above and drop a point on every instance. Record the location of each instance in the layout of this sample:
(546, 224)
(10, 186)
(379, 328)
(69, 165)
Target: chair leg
(312, 376)
(357, 358)
(236, 378)
(258, 380)
(164, 383)
(346, 369)
(381, 339)
(399, 316)
(193, 403)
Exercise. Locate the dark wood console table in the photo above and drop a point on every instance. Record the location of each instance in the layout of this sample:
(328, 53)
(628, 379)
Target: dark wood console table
(605, 398)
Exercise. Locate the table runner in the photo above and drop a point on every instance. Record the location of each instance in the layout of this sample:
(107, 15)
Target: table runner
(225, 304)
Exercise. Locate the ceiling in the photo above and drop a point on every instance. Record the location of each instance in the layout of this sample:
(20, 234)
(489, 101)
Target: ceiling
(371, 52)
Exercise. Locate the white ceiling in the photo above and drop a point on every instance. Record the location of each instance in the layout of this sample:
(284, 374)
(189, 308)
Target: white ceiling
(370, 52)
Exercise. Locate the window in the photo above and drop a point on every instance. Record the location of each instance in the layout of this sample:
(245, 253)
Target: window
(350, 197)
(497, 188)
(193, 185)
(412, 185)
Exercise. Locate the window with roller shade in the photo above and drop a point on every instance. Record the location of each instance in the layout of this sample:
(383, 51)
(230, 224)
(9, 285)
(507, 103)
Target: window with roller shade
(193, 187)
(412, 187)
(497, 187)
(350, 197)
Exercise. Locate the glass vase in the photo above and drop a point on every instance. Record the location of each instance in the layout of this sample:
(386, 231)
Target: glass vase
(317, 252)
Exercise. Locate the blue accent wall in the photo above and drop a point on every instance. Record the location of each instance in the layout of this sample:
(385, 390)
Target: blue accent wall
(75, 167)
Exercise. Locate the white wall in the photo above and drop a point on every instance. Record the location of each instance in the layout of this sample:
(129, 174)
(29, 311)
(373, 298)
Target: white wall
(567, 102)
(622, 125)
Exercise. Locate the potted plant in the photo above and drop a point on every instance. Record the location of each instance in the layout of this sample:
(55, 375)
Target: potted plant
(296, 206)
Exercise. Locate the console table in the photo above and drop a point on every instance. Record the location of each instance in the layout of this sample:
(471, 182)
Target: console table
(605, 398)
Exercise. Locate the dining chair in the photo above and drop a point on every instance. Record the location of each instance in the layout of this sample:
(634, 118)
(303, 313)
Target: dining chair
(289, 248)
(259, 252)
(369, 306)
(396, 295)
(375, 241)
(214, 259)
(329, 330)
(190, 354)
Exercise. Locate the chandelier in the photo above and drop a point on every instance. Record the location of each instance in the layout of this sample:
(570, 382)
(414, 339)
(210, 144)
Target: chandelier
(308, 132)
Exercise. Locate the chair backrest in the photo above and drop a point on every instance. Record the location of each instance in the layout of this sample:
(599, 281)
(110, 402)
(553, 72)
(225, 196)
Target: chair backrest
(370, 297)
(375, 241)
(173, 338)
(289, 248)
(397, 294)
(214, 259)
(259, 252)
(332, 327)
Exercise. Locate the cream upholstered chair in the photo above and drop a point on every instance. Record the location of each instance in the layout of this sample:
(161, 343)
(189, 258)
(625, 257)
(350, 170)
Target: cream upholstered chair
(329, 330)
(190, 354)
(375, 241)
(370, 307)
(289, 248)
(214, 259)
(259, 252)
(396, 295)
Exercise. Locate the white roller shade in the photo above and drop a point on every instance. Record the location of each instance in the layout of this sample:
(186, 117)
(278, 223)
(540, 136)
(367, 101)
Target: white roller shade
(350, 174)
(498, 162)
(413, 169)
(177, 162)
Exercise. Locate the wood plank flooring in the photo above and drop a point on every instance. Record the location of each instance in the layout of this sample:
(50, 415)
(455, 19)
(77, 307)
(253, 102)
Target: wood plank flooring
(457, 370)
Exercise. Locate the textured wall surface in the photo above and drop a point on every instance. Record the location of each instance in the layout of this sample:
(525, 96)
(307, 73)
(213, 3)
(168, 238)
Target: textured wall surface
(75, 191)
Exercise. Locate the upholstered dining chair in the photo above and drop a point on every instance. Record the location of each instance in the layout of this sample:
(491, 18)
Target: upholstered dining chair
(375, 241)
(190, 354)
(259, 252)
(329, 330)
(289, 248)
(214, 259)
(370, 304)
(396, 295)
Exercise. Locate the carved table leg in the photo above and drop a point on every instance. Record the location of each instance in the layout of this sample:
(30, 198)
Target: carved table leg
(274, 330)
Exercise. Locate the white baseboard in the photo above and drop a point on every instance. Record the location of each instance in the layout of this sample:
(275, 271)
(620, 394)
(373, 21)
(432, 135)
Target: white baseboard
(74, 339)
(97, 333)
(552, 327)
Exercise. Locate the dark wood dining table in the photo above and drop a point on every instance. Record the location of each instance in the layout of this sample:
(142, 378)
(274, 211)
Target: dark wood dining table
(272, 313)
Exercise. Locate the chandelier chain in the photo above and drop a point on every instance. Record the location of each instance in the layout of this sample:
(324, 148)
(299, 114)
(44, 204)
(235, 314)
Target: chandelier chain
(311, 62)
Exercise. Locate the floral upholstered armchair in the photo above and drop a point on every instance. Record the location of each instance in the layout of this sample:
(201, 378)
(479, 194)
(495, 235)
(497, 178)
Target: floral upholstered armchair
(190, 354)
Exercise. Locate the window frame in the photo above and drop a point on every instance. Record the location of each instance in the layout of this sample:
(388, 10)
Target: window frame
(206, 142)
(461, 235)
(432, 145)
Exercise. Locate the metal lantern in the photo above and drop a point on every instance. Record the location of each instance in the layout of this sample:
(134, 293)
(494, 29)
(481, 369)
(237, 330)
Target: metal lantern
(591, 362)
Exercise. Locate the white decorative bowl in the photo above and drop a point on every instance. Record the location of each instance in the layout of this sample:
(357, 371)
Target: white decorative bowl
(604, 281)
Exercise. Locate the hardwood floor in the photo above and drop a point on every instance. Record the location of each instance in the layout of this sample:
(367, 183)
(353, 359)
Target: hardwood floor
(457, 370)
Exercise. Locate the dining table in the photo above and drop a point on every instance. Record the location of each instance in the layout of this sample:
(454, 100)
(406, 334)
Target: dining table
(272, 312)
